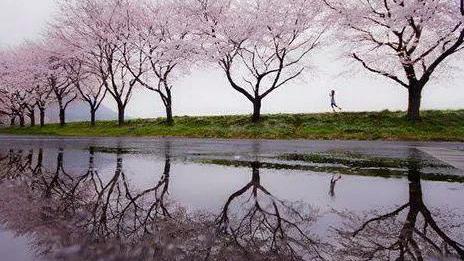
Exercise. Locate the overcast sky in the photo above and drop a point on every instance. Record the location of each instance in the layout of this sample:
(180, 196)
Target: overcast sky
(206, 91)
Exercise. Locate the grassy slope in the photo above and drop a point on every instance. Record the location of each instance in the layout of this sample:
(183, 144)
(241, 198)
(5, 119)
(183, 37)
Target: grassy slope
(436, 125)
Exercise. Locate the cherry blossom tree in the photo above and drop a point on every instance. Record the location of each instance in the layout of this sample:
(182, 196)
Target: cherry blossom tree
(26, 75)
(88, 84)
(37, 69)
(20, 104)
(61, 85)
(25, 106)
(16, 93)
(100, 30)
(261, 45)
(6, 108)
(31, 74)
(41, 94)
(163, 45)
(3, 114)
(405, 41)
(9, 106)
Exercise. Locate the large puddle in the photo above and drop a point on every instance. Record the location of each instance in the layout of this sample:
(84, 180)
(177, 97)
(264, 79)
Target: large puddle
(170, 199)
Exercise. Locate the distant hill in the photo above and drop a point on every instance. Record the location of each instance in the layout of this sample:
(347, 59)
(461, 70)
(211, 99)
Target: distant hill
(75, 112)
(80, 112)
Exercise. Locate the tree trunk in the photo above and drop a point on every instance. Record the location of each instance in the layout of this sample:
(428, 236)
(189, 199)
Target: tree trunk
(167, 100)
(121, 115)
(92, 117)
(32, 118)
(414, 103)
(22, 122)
(42, 117)
(13, 121)
(169, 118)
(62, 117)
(256, 111)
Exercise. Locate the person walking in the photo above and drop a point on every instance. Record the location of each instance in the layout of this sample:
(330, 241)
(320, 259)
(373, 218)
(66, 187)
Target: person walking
(333, 104)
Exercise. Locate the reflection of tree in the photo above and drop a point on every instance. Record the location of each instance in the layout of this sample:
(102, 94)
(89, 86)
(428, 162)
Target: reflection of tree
(38, 169)
(15, 162)
(333, 182)
(58, 183)
(28, 161)
(107, 216)
(265, 225)
(158, 207)
(419, 235)
(23, 206)
(118, 210)
(99, 209)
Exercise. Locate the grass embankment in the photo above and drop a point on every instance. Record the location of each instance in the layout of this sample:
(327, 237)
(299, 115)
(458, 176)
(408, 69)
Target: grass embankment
(435, 126)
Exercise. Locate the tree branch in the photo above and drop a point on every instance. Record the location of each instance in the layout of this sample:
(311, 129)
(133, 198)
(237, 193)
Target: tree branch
(391, 76)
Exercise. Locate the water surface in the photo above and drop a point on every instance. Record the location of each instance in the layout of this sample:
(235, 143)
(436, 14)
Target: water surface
(144, 199)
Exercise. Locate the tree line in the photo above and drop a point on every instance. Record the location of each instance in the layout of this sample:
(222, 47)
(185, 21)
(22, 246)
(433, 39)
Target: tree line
(95, 49)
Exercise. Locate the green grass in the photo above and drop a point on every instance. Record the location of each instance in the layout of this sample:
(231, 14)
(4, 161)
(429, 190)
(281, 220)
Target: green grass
(435, 126)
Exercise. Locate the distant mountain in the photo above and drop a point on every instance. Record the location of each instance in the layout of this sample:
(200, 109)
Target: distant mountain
(75, 112)
(80, 112)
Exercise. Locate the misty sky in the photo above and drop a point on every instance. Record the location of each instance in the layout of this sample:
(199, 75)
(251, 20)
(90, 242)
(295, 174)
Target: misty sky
(206, 91)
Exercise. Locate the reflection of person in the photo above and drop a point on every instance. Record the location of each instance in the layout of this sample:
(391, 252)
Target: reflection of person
(333, 182)
(333, 104)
